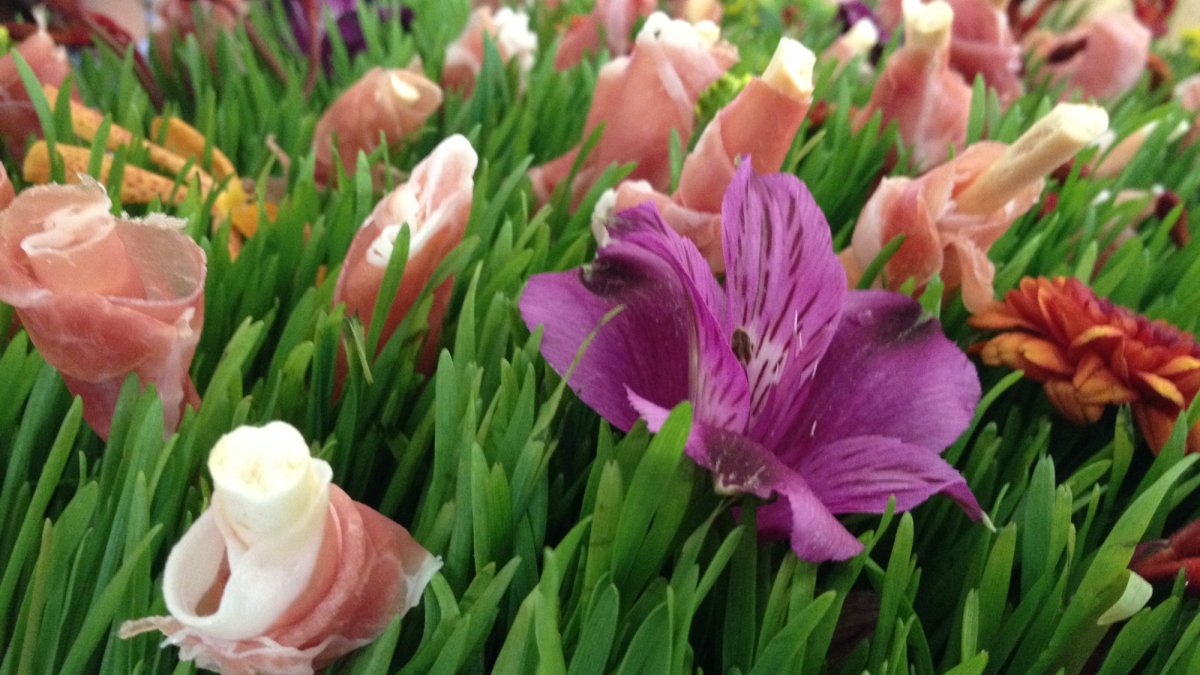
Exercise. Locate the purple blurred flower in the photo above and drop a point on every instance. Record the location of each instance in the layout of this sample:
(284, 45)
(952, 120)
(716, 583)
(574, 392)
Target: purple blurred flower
(831, 400)
(344, 14)
(850, 12)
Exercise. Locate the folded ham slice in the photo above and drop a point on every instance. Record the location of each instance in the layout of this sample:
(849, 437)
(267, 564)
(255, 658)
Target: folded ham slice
(507, 28)
(48, 61)
(982, 43)
(391, 102)
(435, 204)
(609, 24)
(174, 20)
(284, 572)
(759, 123)
(859, 40)
(929, 102)
(6, 188)
(671, 64)
(103, 297)
(952, 215)
(1102, 58)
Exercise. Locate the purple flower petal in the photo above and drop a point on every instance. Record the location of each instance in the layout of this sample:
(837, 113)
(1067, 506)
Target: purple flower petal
(888, 372)
(785, 289)
(739, 464)
(665, 345)
(860, 474)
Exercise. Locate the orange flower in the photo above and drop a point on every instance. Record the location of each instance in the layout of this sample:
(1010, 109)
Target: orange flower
(1090, 353)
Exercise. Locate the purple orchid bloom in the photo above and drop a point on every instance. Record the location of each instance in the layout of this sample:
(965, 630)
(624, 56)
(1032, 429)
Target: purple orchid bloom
(304, 14)
(831, 400)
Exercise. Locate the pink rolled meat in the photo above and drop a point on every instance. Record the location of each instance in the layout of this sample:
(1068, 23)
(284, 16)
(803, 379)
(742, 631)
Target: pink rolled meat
(759, 124)
(18, 119)
(1102, 58)
(387, 102)
(929, 102)
(284, 572)
(102, 297)
(671, 64)
(608, 24)
(435, 204)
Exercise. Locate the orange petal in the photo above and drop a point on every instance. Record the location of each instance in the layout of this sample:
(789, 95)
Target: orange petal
(1101, 332)
(1180, 365)
(1165, 388)
(1097, 384)
(1065, 398)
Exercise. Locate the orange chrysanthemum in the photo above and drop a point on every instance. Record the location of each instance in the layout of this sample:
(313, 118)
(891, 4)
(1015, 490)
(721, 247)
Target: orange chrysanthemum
(1090, 353)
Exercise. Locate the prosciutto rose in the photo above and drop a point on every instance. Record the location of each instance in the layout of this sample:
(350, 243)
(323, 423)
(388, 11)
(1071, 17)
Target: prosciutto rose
(49, 63)
(758, 124)
(284, 572)
(609, 24)
(1102, 58)
(917, 89)
(435, 204)
(507, 28)
(952, 215)
(391, 102)
(671, 64)
(103, 297)
(6, 188)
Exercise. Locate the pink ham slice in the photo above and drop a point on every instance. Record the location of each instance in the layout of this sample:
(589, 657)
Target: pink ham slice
(1101, 59)
(939, 238)
(929, 102)
(1187, 93)
(369, 570)
(672, 73)
(435, 203)
(6, 188)
(391, 102)
(102, 297)
(759, 123)
(609, 24)
(18, 120)
(464, 57)
(982, 43)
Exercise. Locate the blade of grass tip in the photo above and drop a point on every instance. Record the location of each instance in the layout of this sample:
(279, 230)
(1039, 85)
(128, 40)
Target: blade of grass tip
(595, 645)
(388, 288)
(895, 584)
(102, 613)
(41, 106)
(740, 627)
(52, 472)
(876, 266)
(675, 156)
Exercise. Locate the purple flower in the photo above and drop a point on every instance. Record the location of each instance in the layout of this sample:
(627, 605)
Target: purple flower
(344, 14)
(830, 400)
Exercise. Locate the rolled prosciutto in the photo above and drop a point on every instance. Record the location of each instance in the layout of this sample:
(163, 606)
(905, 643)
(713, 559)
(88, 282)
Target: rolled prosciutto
(435, 204)
(671, 64)
(507, 28)
(283, 573)
(919, 91)
(759, 125)
(952, 215)
(982, 44)
(609, 24)
(1102, 58)
(391, 102)
(103, 297)
(6, 188)
(48, 61)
